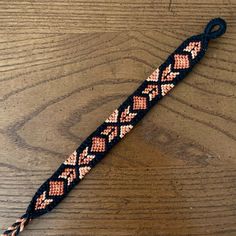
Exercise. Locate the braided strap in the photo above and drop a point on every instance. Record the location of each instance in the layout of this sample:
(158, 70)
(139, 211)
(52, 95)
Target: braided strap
(18, 226)
(118, 124)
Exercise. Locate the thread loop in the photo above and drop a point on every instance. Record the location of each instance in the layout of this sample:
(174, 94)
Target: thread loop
(209, 31)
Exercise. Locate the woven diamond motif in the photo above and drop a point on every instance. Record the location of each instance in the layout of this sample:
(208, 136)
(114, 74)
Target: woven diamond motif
(98, 144)
(139, 103)
(56, 188)
(181, 61)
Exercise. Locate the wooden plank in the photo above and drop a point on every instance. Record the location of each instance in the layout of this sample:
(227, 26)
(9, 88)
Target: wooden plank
(117, 15)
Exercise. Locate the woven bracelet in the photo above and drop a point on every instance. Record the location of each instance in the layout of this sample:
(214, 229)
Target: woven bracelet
(118, 124)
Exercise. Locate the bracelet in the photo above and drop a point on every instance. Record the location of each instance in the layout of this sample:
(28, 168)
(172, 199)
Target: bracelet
(118, 124)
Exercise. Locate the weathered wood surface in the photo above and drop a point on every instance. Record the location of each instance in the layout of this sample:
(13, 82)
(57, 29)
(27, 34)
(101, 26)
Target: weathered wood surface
(66, 65)
(117, 15)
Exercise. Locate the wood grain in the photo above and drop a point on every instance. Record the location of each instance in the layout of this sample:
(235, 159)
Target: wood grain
(66, 65)
(116, 15)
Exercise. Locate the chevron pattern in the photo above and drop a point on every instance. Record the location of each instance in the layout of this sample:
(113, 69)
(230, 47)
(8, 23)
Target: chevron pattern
(116, 126)
(42, 202)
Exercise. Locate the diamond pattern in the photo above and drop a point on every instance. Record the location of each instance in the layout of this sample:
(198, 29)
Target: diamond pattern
(118, 124)
(139, 103)
(98, 144)
(56, 188)
(181, 61)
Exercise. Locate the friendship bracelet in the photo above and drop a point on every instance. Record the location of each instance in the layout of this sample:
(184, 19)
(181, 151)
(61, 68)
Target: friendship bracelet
(118, 124)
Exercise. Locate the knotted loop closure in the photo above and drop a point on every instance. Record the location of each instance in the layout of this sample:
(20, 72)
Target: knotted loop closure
(220, 28)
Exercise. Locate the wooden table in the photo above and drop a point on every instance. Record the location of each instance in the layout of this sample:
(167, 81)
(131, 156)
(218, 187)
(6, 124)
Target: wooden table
(66, 65)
